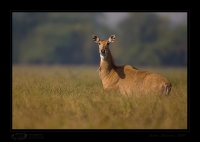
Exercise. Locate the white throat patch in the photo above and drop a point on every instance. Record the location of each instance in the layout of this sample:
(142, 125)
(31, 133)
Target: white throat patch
(103, 58)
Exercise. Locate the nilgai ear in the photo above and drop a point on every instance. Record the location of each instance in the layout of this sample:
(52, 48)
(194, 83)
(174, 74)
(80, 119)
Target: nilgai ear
(95, 38)
(111, 38)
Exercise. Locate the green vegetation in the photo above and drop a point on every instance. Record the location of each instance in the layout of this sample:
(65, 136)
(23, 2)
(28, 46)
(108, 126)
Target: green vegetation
(72, 97)
(66, 38)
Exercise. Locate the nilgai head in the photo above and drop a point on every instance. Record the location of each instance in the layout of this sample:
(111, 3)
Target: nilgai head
(103, 45)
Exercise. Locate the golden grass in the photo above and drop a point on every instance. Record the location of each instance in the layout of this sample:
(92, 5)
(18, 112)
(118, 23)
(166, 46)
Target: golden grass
(71, 97)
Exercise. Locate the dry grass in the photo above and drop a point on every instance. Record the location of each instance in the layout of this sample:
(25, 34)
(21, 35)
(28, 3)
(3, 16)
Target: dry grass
(71, 97)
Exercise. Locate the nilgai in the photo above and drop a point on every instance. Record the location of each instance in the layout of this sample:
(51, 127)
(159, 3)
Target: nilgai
(127, 79)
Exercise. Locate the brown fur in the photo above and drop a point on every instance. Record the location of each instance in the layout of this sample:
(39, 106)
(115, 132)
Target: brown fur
(127, 79)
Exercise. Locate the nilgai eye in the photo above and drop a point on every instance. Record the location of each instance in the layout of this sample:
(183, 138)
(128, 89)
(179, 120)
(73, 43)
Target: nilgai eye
(107, 43)
(99, 43)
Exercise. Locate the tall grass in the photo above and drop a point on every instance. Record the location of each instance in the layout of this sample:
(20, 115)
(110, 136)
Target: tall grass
(72, 97)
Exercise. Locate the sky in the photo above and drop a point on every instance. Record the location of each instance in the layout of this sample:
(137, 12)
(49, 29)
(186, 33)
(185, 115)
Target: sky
(175, 17)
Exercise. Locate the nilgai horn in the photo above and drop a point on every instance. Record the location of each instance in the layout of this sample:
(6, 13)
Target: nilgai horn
(127, 79)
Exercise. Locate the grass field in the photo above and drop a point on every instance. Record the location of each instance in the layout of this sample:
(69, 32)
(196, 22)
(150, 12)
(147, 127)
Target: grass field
(72, 97)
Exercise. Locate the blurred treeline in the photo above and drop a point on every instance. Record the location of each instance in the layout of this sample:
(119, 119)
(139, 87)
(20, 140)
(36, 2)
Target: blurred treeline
(66, 38)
